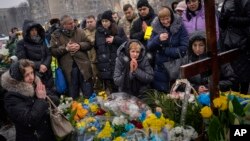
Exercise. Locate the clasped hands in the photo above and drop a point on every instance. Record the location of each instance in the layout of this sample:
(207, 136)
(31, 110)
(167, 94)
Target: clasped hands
(72, 47)
(41, 91)
(133, 65)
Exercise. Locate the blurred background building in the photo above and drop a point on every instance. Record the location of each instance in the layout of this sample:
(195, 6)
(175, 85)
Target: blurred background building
(43, 10)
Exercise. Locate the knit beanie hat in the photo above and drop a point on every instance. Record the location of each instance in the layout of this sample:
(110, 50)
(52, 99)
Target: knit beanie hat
(107, 15)
(181, 6)
(141, 3)
(15, 72)
(197, 35)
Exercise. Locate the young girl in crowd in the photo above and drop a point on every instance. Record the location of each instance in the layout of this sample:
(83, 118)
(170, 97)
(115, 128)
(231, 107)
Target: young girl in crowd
(133, 72)
(25, 102)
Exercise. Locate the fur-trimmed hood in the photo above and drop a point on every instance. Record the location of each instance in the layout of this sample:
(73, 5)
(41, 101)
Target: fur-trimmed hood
(123, 51)
(174, 27)
(21, 87)
(27, 26)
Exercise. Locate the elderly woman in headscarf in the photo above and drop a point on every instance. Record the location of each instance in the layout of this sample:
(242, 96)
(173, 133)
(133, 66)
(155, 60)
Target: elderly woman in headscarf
(169, 40)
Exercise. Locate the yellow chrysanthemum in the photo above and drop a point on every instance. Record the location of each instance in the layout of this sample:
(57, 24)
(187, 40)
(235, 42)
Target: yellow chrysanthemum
(154, 123)
(93, 108)
(106, 131)
(80, 124)
(169, 123)
(103, 95)
(86, 101)
(119, 139)
(206, 112)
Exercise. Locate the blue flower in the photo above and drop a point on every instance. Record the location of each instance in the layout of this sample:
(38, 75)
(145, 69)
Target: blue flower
(142, 116)
(92, 98)
(129, 127)
(204, 99)
(158, 114)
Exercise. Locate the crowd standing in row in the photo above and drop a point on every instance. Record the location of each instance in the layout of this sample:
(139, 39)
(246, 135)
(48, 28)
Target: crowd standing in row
(121, 54)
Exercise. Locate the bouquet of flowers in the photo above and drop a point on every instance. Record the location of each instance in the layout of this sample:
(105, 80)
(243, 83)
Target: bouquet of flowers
(230, 108)
(181, 107)
(124, 104)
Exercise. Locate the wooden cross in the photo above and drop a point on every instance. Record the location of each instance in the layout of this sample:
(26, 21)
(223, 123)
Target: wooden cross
(211, 63)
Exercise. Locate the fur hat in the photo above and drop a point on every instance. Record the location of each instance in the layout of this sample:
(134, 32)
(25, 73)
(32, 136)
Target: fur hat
(141, 3)
(15, 72)
(107, 15)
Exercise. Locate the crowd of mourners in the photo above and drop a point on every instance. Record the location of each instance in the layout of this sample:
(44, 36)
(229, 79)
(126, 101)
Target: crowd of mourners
(117, 54)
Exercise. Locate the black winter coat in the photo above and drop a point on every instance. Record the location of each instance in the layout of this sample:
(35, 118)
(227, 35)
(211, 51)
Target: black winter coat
(133, 83)
(29, 114)
(36, 52)
(106, 53)
(235, 17)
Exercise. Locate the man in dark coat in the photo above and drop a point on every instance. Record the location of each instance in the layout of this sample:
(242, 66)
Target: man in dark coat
(33, 47)
(146, 16)
(133, 81)
(70, 45)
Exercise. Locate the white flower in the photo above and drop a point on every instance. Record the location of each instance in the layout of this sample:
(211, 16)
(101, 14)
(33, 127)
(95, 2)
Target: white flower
(116, 121)
(191, 98)
(119, 120)
(176, 134)
(190, 132)
(179, 130)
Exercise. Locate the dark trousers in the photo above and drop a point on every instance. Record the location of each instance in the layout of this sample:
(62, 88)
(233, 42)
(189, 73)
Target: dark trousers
(78, 82)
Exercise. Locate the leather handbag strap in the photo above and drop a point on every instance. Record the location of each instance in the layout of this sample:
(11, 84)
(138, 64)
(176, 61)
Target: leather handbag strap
(51, 103)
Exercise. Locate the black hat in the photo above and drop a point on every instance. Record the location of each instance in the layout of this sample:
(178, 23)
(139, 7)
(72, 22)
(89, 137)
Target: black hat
(141, 3)
(15, 72)
(107, 15)
(54, 21)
